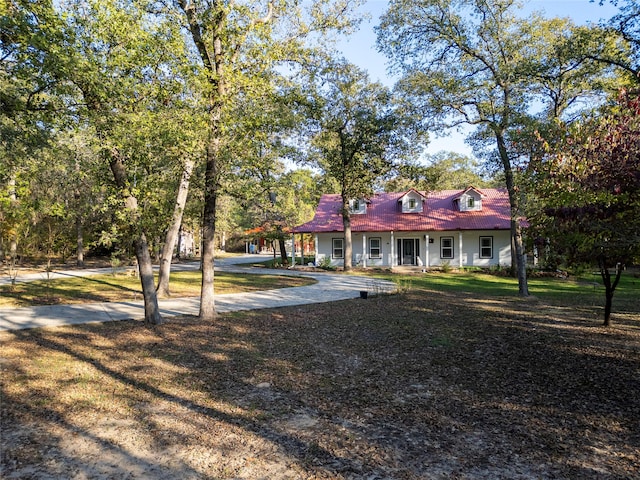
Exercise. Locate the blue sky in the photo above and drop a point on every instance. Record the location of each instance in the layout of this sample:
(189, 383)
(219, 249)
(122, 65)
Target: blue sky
(360, 48)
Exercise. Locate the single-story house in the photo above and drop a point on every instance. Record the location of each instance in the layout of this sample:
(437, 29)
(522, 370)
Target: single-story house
(459, 228)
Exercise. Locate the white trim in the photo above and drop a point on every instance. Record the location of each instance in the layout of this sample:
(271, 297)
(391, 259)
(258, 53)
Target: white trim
(426, 251)
(364, 250)
(392, 262)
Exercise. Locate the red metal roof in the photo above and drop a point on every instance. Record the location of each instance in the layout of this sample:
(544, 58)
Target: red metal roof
(440, 213)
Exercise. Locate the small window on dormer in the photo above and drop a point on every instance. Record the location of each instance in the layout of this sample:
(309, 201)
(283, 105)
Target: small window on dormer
(471, 202)
(412, 203)
(356, 205)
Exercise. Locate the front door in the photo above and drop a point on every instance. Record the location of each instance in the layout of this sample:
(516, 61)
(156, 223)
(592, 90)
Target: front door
(408, 250)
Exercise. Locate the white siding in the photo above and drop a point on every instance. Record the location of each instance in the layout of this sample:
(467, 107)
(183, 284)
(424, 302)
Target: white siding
(470, 196)
(358, 206)
(501, 243)
(409, 199)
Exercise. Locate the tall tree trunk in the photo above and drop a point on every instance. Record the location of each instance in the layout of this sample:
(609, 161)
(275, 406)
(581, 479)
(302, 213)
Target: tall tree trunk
(151, 309)
(174, 229)
(283, 247)
(610, 287)
(79, 223)
(283, 251)
(516, 229)
(207, 302)
(145, 266)
(348, 244)
(13, 237)
(212, 53)
(79, 241)
(521, 259)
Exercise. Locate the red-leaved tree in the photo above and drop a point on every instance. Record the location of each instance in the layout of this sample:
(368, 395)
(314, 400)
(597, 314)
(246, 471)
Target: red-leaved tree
(592, 194)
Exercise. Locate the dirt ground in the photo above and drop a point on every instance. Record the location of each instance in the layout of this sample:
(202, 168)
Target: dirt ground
(419, 385)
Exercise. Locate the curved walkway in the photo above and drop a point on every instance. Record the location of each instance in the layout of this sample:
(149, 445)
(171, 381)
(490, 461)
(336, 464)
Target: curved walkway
(329, 288)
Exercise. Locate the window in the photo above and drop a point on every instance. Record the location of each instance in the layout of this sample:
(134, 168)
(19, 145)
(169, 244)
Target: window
(357, 206)
(446, 247)
(486, 247)
(338, 248)
(412, 203)
(471, 202)
(375, 248)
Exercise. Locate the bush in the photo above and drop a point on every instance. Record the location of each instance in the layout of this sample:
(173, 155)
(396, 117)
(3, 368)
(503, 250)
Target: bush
(325, 264)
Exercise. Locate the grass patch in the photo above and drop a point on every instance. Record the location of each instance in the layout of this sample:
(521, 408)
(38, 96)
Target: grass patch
(121, 287)
(581, 291)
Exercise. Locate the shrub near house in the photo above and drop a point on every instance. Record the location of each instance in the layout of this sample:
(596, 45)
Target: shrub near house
(450, 227)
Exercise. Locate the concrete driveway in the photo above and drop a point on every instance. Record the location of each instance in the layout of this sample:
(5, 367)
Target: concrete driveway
(329, 287)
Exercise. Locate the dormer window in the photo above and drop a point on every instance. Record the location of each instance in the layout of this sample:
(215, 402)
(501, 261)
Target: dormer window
(357, 206)
(470, 200)
(411, 202)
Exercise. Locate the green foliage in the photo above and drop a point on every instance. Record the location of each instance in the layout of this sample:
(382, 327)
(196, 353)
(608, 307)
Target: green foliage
(403, 285)
(446, 266)
(325, 264)
(442, 171)
(358, 136)
(617, 43)
(591, 194)
(481, 63)
(591, 189)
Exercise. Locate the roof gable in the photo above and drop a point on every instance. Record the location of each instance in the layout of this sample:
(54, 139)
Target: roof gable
(469, 200)
(473, 190)
(412, 202)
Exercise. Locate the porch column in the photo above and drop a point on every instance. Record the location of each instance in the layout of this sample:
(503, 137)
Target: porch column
(302, 249)
(460, 248)
(426, 251)
(316, 248)
(364, 250)
(392, 259)
(293, 249)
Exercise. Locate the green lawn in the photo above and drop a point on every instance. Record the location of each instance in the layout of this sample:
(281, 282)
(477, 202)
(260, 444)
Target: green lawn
(586, 290)
(120, 287)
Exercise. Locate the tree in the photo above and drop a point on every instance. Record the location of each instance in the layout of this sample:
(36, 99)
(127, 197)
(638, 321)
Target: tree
(359, 136)
(461, 61)
(27, 106)
(617, 41)
(478, 63)
(118, 58)
(441, 171)
(593, 194)
(238, 44)
(279, 202)
(179, 144)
